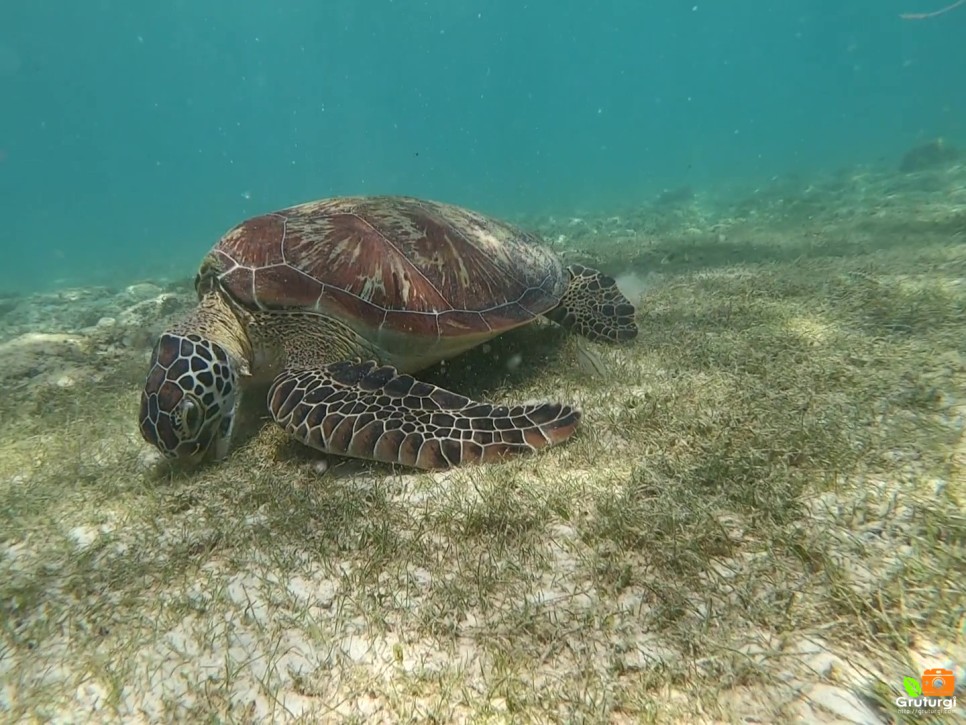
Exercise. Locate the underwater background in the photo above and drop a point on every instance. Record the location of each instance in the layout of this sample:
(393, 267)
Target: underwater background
(762, 517)
(133, 134)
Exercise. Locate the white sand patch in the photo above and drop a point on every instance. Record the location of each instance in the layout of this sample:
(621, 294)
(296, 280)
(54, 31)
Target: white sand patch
(634, 285)
(83, 536)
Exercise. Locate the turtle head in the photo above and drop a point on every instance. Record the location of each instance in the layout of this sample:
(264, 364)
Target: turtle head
(190, 397)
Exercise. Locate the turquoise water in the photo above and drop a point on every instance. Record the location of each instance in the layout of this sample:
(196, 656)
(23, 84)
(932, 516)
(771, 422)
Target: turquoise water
(132, 134)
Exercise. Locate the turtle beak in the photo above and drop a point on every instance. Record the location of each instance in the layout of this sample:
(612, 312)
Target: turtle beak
(226, 427)
(211, 447)
(192, 460)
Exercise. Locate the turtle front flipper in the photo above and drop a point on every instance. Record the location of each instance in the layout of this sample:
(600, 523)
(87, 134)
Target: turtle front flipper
(366, 411)
(594, 307)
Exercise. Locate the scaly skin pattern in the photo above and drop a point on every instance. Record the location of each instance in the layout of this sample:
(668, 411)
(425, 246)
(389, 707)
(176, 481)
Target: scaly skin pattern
(594, 307)
(366, 411)
(189, 397)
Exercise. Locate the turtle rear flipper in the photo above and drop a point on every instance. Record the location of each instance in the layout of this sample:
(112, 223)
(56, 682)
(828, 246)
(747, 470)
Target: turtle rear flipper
(594, 307)
(366, 411)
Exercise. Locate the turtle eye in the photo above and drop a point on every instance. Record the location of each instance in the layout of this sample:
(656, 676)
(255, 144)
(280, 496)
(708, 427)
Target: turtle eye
(190, 416)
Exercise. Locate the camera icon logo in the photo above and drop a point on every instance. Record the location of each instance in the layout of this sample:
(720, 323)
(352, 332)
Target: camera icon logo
(938, 682)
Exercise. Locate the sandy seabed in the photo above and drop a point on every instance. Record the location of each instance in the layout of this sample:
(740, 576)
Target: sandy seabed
(761, 518)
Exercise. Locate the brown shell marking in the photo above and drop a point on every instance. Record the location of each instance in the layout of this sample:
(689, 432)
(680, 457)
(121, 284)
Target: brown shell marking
(392, 264)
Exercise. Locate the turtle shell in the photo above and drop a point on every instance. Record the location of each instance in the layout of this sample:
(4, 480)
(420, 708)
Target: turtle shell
(390, 265)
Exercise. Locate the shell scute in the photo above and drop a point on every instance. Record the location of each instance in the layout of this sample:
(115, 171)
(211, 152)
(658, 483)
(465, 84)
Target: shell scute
(257, 241)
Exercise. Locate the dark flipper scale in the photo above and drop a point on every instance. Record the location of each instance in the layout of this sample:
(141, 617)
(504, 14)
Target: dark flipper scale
(594, 307)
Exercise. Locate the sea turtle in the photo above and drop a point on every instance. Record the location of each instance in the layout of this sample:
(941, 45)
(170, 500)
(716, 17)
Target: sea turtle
(334, 302)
